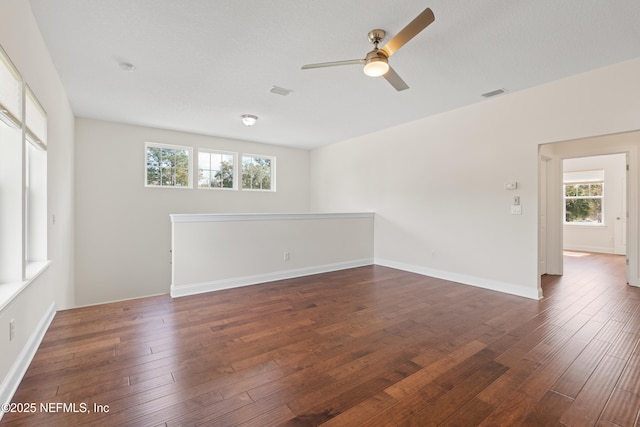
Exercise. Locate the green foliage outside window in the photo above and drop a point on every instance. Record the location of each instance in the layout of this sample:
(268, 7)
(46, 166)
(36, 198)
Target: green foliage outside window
(215, 170)
(167, 167)
(256, 173)
(583, 202)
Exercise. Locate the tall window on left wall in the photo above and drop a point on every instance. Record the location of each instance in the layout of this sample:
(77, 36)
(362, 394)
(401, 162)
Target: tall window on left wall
(23, 177)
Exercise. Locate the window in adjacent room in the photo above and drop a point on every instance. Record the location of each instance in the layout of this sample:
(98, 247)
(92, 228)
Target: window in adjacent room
(216, 169)
(584, 197)
(168, 165)
(258, 172)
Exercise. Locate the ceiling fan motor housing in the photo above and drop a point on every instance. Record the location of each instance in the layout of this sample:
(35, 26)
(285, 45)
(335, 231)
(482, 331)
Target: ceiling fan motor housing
(376, 63)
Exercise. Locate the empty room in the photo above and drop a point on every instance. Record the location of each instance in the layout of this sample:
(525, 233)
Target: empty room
(319, 213)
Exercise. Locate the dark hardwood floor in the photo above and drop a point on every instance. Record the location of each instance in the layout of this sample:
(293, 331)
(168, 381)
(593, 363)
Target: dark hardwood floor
(369, 346)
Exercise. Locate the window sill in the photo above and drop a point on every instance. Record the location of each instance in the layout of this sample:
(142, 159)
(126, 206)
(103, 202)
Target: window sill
(265, 216)
(9, 291)
(585, 225)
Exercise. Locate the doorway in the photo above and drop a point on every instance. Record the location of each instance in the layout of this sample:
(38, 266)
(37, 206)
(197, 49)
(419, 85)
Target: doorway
(623, 233)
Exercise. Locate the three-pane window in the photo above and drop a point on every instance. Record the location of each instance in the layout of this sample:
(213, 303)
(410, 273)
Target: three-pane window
(172, 166)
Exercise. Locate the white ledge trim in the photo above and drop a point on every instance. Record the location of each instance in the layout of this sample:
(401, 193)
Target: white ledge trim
(265, 216)
(9, 291)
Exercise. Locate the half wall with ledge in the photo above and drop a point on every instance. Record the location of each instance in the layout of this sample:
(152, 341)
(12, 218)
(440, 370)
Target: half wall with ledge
(211, 252)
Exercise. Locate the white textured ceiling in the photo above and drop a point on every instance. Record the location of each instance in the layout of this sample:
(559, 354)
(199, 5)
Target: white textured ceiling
(200, 64)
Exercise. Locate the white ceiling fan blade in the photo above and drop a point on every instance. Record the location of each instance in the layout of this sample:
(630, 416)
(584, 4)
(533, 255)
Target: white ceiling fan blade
(414, 27)
(333, 64)
(395, 80)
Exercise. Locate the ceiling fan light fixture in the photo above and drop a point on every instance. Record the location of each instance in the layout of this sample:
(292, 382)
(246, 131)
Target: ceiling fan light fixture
(376, 66)
(249, 119)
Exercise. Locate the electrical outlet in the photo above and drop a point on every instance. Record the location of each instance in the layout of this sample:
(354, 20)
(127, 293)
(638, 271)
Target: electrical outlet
(12, 329)
(285, 256)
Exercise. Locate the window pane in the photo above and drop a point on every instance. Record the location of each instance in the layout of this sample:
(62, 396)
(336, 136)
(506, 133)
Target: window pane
(226, 173)
(204, 160)
(584, 210)
(570, 190)
(153, 156)
(153, 175)
(167, 158)
(182, 159)
(35, 117)
(167, 176)
(596, 190)
(10, 87)
(204, 177)
(583, 190)
(182, 177)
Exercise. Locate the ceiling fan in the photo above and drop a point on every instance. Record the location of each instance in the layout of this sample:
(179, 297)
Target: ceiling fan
(376, 62)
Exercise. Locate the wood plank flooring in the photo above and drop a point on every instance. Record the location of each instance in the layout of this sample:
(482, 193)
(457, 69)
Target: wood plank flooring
(369, 346)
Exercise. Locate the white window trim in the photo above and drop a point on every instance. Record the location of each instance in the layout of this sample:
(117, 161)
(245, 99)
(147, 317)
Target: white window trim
(273, 173)
(174, 147)
(196, 170)
(565, 198)
(32, 243)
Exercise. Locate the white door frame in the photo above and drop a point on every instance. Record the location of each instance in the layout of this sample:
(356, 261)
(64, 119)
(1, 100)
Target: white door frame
(596, 146)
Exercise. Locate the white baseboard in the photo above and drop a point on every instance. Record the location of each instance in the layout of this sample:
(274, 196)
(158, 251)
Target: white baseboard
(12, 380)
(216, 285)
(479, 282)
(583, 248)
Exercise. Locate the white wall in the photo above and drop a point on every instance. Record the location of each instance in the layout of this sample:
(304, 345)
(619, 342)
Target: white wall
(123, 229)
(219, 251)
(602, 237)
(21, 39)
(437, 184)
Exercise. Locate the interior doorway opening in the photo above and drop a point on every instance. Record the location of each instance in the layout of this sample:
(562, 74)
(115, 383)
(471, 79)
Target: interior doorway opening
(620, 235)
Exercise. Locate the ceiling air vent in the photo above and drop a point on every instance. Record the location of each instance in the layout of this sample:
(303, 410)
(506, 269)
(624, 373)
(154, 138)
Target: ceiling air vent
(280, 91)
(493, 93)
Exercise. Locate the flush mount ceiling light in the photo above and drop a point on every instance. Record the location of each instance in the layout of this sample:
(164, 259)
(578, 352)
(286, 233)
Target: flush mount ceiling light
(249, 119)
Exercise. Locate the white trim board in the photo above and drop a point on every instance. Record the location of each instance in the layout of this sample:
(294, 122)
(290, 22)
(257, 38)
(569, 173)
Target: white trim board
(9, 291)
(479, 282)
(265, 216)
(13, 378)
(236, 282)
